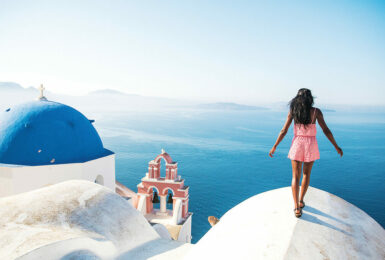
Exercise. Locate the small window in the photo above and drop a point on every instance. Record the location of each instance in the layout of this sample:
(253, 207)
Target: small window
(99, 180)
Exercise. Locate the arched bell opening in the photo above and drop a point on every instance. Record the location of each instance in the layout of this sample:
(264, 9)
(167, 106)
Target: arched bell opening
(155, 198)
(162, 168)
(161, 164)
(169, 193)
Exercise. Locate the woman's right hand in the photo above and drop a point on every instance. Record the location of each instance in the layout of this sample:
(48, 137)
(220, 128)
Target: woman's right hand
(272, 151)
(339, 151)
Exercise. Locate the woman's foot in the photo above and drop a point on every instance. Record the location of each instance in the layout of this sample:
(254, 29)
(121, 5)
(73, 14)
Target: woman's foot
(301, 204)
(298, 212)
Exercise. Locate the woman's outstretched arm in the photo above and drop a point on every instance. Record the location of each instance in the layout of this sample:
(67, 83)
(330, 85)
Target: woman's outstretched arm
(327, 131)
(282, 133)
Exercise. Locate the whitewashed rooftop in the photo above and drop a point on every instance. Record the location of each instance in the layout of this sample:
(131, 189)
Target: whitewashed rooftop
(78, 220)
(264, 227)
(83, 220)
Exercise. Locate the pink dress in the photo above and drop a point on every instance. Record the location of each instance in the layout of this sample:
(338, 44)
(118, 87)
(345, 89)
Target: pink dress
(304, 147)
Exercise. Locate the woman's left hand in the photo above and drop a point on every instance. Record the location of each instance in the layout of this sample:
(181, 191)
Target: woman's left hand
(272, 151)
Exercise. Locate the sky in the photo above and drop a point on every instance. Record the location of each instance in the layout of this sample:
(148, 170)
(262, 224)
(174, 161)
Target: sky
(250, 52)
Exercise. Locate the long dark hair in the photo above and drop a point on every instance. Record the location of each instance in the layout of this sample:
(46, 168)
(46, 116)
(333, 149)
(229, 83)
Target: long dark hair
(301, 105)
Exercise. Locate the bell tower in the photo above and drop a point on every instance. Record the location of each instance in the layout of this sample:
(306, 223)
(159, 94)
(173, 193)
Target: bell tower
(153, 187)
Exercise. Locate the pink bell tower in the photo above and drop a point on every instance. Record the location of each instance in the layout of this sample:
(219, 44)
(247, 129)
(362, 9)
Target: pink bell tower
(179, 215)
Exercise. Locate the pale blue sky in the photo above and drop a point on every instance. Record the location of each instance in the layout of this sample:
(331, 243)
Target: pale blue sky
(240, 51)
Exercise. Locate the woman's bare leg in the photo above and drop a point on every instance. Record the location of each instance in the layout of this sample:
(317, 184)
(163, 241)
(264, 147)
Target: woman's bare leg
(297, 167)
(305, 179)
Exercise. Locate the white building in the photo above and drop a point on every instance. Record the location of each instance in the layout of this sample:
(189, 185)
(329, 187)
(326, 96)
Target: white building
(44, 142)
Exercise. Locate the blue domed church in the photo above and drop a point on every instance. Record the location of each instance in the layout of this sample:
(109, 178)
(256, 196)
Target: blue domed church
(44, 142)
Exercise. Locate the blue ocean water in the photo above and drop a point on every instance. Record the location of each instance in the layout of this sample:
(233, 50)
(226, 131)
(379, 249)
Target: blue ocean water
(223, 156)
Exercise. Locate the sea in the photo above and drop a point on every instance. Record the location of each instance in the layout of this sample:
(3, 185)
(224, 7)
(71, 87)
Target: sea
(223, 155)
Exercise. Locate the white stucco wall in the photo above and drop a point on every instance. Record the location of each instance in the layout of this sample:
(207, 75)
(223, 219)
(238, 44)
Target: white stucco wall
(27, 178)
(177, 216)
(142, 205)
(185, 231)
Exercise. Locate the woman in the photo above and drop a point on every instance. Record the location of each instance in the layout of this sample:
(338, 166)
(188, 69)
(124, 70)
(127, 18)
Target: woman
(304, 147)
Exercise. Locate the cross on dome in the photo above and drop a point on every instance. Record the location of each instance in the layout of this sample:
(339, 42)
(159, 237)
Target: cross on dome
(42, 97)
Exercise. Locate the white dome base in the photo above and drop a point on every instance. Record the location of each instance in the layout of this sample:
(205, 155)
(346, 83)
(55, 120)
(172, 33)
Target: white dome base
(264, 227)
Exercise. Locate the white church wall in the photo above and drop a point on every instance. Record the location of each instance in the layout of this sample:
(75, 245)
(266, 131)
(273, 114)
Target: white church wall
(6, 186)
(104, 168)
(34, 177)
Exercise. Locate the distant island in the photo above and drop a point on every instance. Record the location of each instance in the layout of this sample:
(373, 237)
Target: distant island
(229, 106)
(10, 86)
(12, 92)
(109, 92)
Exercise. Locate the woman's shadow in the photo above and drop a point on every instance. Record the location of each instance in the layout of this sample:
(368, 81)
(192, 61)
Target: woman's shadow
(316, 220)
